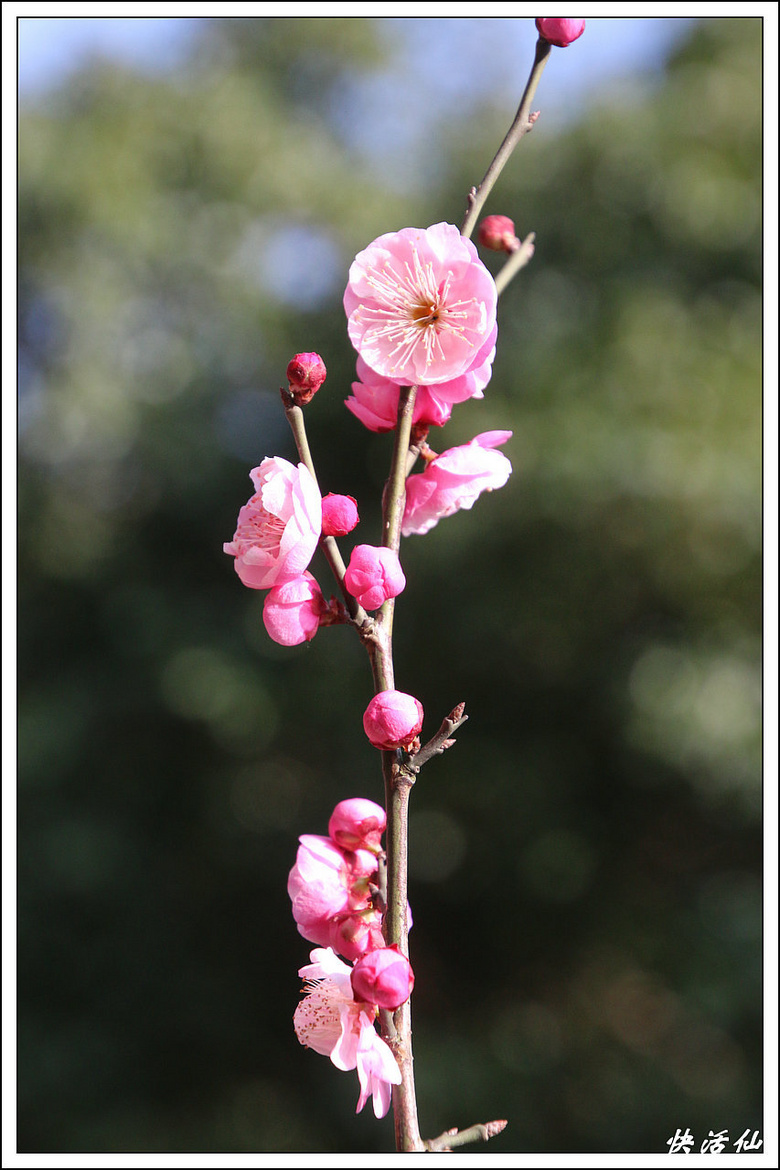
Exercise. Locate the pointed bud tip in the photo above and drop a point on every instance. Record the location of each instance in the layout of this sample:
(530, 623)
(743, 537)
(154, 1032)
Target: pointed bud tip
(496, 1127)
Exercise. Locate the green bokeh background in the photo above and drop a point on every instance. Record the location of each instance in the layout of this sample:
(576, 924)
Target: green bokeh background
(586, 871)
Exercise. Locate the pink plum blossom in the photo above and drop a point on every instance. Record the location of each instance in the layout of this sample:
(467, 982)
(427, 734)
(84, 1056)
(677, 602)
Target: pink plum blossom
(278, 529)
(339, 515)
(420, 305)
(558, 30)
(305, 374)
(292, 610)
(328, 884)
(358, 823)
(331, 1021)
(454, 480)
(393, 719)
(374, 574)
(497, 232)
(384, 977)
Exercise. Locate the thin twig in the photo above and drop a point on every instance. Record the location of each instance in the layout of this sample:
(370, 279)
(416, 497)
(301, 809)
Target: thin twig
(327, 543)
(440, 741)
(521, 125)
(454, 1137)
(515, 262)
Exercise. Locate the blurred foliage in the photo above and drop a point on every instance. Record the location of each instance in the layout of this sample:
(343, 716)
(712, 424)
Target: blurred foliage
(586, 863)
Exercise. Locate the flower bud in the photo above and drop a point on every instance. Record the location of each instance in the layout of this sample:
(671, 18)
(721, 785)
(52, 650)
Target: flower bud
(339, 515)
(291, 613)
(383, 977)
(559, 31)
(373, 575)
(497, 232)
(393, 719)
(358, 823)
(305, 374)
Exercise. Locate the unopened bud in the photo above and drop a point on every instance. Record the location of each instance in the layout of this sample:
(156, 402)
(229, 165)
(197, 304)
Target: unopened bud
(393, 720)
(497, 232)
(373, 575)
(558, 30)
(305, 374)
(383, 977)
(339, 515)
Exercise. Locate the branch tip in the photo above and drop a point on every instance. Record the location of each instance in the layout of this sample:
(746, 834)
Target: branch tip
(447, 1141)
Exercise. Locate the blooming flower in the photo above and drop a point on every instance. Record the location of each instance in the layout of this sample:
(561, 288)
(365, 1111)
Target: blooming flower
(393, 719)
(420, 305)
(328, 885)
(384, 977)
(279, 527)
(339, 515)
(305, 374)
(374, 574)
(358, 823)
(454, 480)
(292, 610)
(559, 31)
(331, 1021)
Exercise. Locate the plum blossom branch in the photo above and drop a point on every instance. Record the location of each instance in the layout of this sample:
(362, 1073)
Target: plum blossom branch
(421, 313)
(520, 126)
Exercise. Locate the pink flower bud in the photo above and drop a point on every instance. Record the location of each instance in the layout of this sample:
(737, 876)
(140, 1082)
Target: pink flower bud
(393, 719)
(339, 515)
(292, 611)
(373, 575)
(383, 977)
(559, 31)
(358, 824)
(498, 233)
(305, 374)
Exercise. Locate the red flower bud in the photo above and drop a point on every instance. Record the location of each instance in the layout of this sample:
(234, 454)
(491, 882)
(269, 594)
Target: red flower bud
(305, 374)
(383, 977)
(498, 233)
(559, 31)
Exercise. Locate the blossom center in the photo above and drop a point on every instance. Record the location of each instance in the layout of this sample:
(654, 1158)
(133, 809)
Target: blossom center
(410, 308)
(260, 528)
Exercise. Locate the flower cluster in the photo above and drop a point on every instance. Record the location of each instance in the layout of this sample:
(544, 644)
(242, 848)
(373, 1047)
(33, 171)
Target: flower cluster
(421, 310)
(334, 891)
